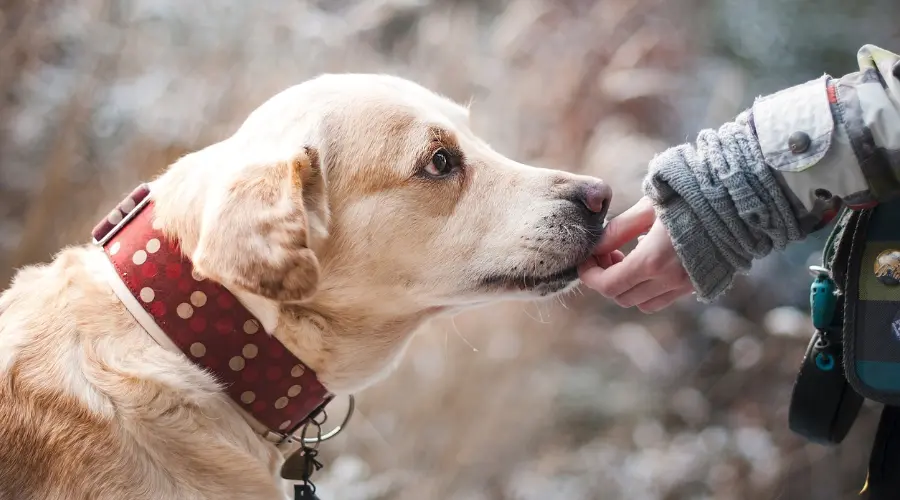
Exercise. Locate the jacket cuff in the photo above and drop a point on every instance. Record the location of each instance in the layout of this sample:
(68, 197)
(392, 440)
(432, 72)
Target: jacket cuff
(801, 137)
(710, 272)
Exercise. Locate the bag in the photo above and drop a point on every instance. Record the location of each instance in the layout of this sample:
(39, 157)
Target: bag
(872, 305)
(855, 352)
(862, 264)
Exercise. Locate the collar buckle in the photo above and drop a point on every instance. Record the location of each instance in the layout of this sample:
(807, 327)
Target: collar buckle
(319, 437)
(120, 216)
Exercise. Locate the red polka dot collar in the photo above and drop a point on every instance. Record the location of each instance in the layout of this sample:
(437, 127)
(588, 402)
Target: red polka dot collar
(206, 322)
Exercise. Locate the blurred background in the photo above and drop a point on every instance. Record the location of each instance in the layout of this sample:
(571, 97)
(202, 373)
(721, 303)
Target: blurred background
(569, 399)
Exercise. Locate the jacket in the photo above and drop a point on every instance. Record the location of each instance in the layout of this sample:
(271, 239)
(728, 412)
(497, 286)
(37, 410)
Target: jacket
(781, 170)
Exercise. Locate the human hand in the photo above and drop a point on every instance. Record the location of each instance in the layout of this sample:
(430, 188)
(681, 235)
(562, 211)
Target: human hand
(651, 277)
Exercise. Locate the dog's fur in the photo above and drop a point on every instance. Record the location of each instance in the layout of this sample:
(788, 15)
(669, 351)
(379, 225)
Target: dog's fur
(319, 213)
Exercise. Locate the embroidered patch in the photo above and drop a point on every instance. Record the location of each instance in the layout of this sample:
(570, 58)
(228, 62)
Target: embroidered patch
(887, 267)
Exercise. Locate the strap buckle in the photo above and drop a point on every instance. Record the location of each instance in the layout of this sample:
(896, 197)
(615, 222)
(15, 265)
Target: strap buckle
(126, 210)
(351, 406)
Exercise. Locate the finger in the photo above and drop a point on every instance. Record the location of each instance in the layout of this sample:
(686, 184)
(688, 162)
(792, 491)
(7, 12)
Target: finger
(608, 260)
(627, 226)
(631, 271)
(592, 262)
(617, 256)
(643, 292)
(665, 300)
(603, 261)
(614, 281)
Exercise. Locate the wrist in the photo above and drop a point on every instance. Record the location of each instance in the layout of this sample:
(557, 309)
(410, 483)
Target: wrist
(721, 205)
(710, 273)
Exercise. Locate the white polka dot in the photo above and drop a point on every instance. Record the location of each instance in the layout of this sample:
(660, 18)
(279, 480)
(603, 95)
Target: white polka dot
(184, 310)
(139, 257)
(147, 294)
(284, 425)
(157, 224)
(281, 403)
(114, 217)
(114, 249)
(153, 245)
(248, 397)
(250, 351)
(294, 390)
(198, 298)
(237, 363)
(196, 275)
(297, 370)
(198, 349)
(127, 205)
(251, 326)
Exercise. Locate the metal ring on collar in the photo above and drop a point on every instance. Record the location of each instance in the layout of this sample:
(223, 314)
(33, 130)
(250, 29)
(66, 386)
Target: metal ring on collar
(337, 430)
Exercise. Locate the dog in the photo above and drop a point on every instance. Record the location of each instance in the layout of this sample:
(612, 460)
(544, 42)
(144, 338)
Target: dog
(343, 213)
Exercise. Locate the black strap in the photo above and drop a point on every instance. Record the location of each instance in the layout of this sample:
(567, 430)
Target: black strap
(823, 406)
(836, 256)
(304, 492)
(884, 463)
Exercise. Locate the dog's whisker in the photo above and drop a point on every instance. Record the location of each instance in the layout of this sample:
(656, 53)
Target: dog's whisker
(529, 314)
(460, 335)
(446, 344)
(538, 305)
(540, 318)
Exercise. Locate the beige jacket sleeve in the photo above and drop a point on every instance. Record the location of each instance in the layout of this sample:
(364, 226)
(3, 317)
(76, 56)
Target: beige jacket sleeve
(835, 140)
(780, 170)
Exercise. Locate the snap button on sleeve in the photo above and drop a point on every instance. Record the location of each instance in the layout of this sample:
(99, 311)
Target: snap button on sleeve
(794, 127)
(799, 142)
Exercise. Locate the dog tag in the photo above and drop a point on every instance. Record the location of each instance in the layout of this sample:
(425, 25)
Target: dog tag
(297, 467)
(304, 492)
(300, 467)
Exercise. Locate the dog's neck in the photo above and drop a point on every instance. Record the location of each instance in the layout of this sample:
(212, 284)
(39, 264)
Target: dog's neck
(349, 348)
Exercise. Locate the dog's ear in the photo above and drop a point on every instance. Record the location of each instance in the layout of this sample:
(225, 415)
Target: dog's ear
(256, 234)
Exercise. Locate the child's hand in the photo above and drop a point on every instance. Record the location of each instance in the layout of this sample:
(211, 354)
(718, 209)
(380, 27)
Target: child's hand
(651, 277)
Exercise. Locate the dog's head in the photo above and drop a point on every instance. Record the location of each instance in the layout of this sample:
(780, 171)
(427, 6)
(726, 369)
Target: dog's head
(357, 205)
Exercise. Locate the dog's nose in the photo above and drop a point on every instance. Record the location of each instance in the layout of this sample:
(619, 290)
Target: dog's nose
(596, 196)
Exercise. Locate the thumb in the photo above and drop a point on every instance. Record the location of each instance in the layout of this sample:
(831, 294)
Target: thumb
(627, 226)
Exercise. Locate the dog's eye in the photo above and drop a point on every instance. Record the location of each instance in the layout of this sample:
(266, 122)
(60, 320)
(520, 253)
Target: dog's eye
(440, 165)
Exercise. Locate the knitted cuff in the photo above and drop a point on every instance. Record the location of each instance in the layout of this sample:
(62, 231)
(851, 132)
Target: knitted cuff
(721, 205)
(710, 273)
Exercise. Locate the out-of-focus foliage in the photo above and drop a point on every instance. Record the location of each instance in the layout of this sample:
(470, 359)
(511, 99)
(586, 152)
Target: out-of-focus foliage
(572, 399)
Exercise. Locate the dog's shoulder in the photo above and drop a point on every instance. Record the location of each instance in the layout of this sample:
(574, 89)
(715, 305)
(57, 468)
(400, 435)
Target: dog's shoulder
(50, 435)
(92, 407)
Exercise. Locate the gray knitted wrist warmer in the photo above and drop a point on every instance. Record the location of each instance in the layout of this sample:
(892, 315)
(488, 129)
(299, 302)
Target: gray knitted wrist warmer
(721, 204)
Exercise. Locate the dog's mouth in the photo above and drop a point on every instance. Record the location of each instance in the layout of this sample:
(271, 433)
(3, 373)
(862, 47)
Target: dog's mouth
(544, 284)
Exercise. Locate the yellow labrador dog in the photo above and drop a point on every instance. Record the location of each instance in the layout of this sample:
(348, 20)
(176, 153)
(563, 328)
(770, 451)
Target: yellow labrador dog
(343, 213)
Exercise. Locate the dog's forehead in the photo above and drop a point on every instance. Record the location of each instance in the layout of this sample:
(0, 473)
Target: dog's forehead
(430, 104)
(352, 114)
(353, 95)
